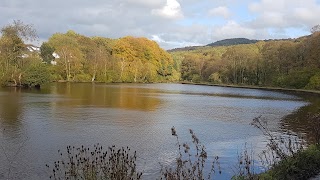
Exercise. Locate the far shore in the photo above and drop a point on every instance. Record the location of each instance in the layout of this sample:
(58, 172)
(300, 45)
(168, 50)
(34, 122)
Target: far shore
(304, 91)
(279, 89)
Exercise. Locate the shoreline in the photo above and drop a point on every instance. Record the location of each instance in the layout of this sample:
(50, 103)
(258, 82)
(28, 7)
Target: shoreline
(304, 91)
(279, 89)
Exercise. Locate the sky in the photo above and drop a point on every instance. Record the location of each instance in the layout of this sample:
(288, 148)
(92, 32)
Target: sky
(171, 23)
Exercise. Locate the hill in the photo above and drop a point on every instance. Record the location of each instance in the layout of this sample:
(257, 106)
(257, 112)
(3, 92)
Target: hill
(225, 42)
(233, 41)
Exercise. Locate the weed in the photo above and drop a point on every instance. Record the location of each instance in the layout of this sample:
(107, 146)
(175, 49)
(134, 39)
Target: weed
(189, 165)
(96, 164)
(245, 166)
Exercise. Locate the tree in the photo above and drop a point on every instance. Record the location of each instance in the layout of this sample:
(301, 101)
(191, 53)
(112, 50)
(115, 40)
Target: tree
(36, 75)
(134, 54)
(12, 47)
(71, 56)
(315, 28)
(46, 52)
(104, 64)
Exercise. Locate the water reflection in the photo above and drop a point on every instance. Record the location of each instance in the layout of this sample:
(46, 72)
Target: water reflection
(301, 122)
(10, 111)
(120, 96)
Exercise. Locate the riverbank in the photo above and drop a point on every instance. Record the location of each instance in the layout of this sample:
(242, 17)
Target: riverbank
(305, 91)
(302, 165)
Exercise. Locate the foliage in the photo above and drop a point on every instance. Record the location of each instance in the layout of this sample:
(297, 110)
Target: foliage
(296, 79)
(303, 165)
(46, 52)
(15, 60)
(142, 60)
(36, 74)
(291, 63)
(233, 41)
(127, 59)
(314, 82)
(189, 165)
(97, 163)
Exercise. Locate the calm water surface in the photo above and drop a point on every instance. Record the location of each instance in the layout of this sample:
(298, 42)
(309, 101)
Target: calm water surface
(34, 125)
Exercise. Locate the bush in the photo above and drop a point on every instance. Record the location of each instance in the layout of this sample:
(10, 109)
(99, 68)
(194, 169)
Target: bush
(302, 165)
(215, 78)
(82, 78)
(36, 75)
(314, 82)
(295, 79)
(196, 78)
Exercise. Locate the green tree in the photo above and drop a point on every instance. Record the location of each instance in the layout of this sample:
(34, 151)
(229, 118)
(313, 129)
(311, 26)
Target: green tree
(46, 52)
(12, 47)
(71, 57)
(36, 74)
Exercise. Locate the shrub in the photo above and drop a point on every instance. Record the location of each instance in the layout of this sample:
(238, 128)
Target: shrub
(302, 165)
(36, 75)
(82, 78)
(314, 82)
(196, 78)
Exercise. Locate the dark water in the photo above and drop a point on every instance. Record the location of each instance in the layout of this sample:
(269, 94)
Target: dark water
(34, 125)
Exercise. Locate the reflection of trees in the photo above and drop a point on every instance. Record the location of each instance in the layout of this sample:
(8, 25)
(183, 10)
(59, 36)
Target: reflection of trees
(301, 121)
(115, 96)
(10, 108)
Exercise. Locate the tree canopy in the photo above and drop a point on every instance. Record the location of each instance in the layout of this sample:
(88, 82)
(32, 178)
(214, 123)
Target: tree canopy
(15, 59)
(292, 63)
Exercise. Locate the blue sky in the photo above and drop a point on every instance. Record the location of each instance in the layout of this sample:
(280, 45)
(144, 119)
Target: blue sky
(172, 23)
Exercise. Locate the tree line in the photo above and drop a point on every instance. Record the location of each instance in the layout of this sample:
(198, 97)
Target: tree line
(292, 63)
(81, 59)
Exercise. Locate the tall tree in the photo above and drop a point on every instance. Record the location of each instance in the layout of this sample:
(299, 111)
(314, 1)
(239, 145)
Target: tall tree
(71, 56)
(12, 47)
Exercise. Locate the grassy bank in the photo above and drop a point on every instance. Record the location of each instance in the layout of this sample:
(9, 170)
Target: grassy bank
(302, 165)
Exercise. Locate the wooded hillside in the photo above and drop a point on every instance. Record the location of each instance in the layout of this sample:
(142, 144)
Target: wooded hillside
(292, 63)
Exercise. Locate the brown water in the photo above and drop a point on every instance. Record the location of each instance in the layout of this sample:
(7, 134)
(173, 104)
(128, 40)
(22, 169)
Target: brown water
(34, 125)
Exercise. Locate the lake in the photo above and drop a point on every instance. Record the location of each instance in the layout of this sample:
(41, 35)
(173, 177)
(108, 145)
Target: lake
(35, 124)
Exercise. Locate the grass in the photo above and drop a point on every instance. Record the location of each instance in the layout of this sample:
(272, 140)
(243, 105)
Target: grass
(302, 165)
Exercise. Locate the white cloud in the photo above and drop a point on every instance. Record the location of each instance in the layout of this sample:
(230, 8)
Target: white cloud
(220, 11)
(171, 10)
(170, 44)
(233, 30)
(285, 13)
(157, 38)
(147, 3)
